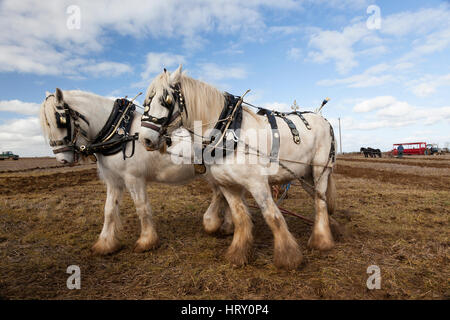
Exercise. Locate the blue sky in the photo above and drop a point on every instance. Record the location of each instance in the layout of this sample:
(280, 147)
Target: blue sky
(388, 82)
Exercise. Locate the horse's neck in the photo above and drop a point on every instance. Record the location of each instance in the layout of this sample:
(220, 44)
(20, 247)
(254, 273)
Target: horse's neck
(94, 108)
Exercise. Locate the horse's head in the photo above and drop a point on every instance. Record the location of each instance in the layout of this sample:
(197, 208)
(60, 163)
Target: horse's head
(163, 105)
(59, 126)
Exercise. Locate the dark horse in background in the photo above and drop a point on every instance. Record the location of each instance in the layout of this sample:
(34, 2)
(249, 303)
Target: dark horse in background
(373, 153)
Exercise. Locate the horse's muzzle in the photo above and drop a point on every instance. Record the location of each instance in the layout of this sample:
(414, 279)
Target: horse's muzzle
(149, 146)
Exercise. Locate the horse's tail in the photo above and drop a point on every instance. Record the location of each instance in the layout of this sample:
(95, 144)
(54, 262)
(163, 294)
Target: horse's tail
(331, 194)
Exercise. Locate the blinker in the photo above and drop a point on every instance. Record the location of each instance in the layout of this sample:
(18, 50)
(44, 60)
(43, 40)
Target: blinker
(61, 121)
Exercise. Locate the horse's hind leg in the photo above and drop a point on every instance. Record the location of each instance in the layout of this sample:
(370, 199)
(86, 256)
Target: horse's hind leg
(108, 242)
(212, 222)
(239, 251)
(287, 252)
(227, 225)
(149, 238)
(321, 237)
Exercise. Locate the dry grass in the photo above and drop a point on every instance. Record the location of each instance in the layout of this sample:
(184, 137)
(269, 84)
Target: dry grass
(49, 221)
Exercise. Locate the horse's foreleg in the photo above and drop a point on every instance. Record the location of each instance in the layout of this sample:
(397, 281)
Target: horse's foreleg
(239, 251)
(149, 238)
(108, 242)
(287, 252)
(321, 237)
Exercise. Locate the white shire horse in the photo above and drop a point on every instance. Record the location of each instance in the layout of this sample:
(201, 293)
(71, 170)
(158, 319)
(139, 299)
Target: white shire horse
(89, 113)
(310, 161)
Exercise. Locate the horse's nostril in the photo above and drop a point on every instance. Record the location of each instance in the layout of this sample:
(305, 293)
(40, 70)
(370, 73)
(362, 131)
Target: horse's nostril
(147, 142)
(64, 161)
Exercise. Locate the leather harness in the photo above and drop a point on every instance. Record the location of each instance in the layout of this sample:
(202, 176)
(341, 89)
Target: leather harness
(230, 120)
(231, 137)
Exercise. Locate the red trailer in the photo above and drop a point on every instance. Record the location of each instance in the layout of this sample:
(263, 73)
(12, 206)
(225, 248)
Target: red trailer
(411, 148)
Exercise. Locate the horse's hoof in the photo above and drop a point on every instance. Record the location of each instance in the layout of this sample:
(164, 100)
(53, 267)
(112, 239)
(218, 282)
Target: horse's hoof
(337, 230)
(320, 242)
(288, 257)
(227, 229)
(104, 246)
(211, 226)
(237, 258)
(145, 244)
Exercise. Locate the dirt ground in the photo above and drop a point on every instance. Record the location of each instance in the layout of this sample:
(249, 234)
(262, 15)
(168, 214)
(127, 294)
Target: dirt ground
(395, 213)
(28, 164)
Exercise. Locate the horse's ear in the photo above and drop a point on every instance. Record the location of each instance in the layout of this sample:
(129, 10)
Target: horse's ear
(47, 94)
(175, 77)
(59, 95)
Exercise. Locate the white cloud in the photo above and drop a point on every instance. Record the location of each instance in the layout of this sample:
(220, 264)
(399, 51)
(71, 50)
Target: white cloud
(343, 4)
(391, 113)
(20, 107)
(214, 72)
(23, 137)
(329, 45)
(426, 30)
(374, 76)
(157, 61)
(375, 103)
(279, 106)
(284, 30)
(420, 22)
(294, 53)
(428, 84)
(109, 69)
(35, 37)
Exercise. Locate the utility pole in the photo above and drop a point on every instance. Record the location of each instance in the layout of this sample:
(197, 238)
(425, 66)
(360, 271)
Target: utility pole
(340, 139)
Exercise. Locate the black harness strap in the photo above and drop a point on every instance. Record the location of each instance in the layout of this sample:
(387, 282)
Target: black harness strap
(300, 114)
(275, 134)
(291, 125)
(332, 154)
(229, 145)
(115, 134)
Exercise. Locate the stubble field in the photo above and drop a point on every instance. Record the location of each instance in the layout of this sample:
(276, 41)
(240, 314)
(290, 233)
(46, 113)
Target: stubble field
(395, 213)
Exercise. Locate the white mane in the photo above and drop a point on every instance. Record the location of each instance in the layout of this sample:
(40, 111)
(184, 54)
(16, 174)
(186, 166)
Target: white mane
(203, 101)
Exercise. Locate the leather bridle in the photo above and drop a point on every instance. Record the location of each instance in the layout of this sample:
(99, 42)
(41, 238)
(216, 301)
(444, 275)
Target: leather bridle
(167, 102)
(64, 120)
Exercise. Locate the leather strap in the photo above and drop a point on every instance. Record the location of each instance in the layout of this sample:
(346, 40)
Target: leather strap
(303, 119)
(150, 126)
(292, 127)
(275, 134)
